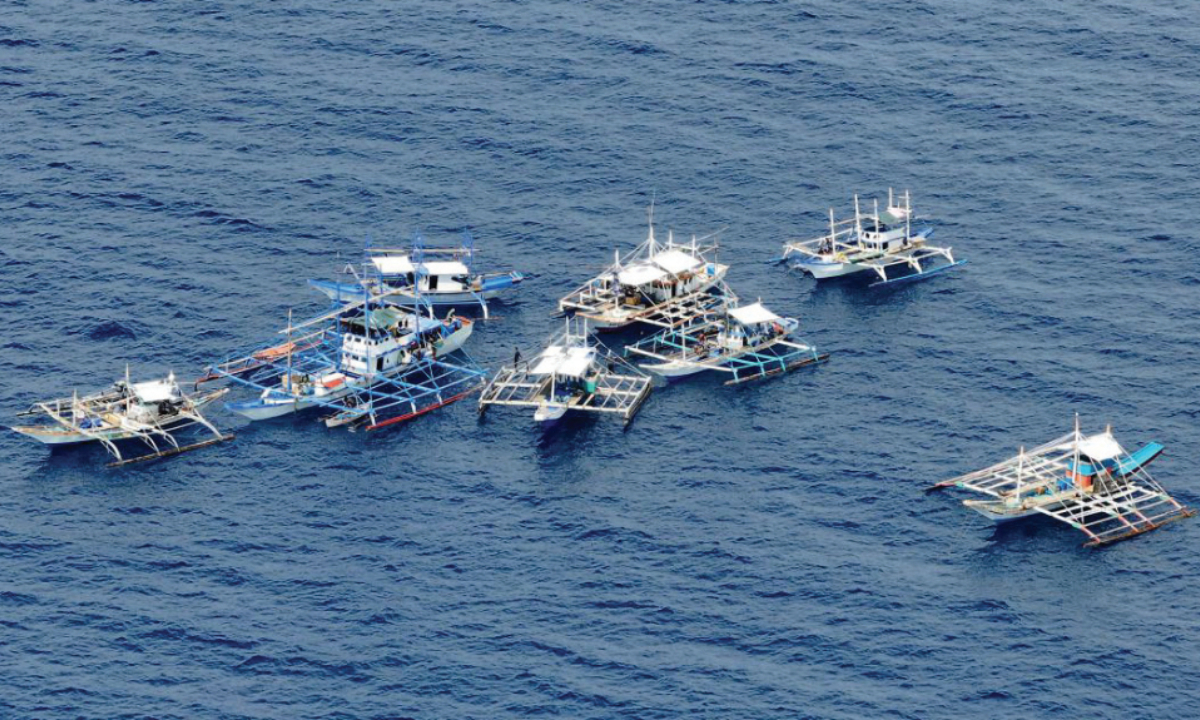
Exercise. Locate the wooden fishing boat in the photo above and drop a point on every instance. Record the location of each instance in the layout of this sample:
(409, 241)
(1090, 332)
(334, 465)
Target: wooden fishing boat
(437, 276)
(153, 412)
(572, 374)
(368, 363)
(661, 284)
(880, 242)
(1088, 482)
(747, 342)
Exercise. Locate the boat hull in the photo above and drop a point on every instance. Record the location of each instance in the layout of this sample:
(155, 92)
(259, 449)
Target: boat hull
(826, 270)
(674, 369)
(999, 512)
(549, 413)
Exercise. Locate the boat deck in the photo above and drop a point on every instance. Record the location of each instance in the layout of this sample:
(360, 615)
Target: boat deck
(613, 392)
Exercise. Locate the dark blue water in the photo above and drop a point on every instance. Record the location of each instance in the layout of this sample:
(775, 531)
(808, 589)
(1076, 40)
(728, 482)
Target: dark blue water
(171, 172)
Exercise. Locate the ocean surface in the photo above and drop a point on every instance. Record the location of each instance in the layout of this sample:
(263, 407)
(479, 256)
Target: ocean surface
(172, 172)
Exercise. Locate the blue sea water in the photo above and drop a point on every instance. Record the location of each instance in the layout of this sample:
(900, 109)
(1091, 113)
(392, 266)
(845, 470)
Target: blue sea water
(172, 172)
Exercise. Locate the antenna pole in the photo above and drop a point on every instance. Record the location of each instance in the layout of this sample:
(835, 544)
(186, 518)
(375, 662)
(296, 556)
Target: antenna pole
(1020, 471)
(1075, 478)
(907, 216)
(857, 219)
(289, 347)
(650, 220)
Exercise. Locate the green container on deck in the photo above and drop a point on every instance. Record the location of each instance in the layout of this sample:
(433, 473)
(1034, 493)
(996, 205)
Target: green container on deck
(590, 386)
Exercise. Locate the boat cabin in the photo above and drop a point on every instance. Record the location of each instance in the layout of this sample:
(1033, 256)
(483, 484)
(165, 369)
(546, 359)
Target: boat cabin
(385, 339)
(569, 369)
(662, 277)
(754, 324)
(439, 276)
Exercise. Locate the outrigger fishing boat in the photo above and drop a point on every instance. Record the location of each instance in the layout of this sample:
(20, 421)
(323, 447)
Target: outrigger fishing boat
(571, 375)
(367, 362)
(1088, 482)
(879, 242)
(746, 341)
(661, 284)
(153, 412)
(439, 276)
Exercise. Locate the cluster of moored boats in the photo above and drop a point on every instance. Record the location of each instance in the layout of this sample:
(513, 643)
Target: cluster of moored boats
(391, 348)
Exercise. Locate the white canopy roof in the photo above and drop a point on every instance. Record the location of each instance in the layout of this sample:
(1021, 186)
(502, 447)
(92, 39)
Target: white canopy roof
(1100, 447)
(393, 264)
(752, 314)
(402, 265)
(445, 267)
(568, 362)
(676, 261)
(637, 275)
(154, 391)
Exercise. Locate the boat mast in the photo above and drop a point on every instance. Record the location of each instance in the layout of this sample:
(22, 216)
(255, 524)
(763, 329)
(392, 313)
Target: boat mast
(857, 221)
(876, 215)
(650, 220)
(1075, 468)
(1020, 472)
(291, 386)
(832, 232)
(907, 215)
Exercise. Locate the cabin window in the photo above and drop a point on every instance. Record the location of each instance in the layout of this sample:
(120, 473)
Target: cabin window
(433, 282)
(379, 364)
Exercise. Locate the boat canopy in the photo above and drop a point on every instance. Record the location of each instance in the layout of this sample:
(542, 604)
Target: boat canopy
(638, 275)
(445, 267)
(676, 261)
(753, 314)
(565, 361)
(379, 318)
(1100, 447)
(154, 391)
(393, 264)
(402, 265)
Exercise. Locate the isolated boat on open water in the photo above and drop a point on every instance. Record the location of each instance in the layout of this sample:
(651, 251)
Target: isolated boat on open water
(1088, 482)
(883, 243)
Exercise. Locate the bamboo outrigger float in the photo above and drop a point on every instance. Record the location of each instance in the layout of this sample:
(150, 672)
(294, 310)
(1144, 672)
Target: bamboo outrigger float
(660, 284)
(419, 275)
(1088, 482)
(153, 412)
(748, 342)
(883, 243)
(571, 375)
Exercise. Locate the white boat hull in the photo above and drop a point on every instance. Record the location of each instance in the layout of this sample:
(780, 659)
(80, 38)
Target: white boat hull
(1000, 512)
(675, 368)
(826, 270)
(549, 412)
(455, 340)
(62, 436)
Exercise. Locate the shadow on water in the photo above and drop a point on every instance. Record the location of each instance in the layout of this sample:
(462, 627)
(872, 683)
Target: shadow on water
(857, 290)
(572, 430)
(1037, 533)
